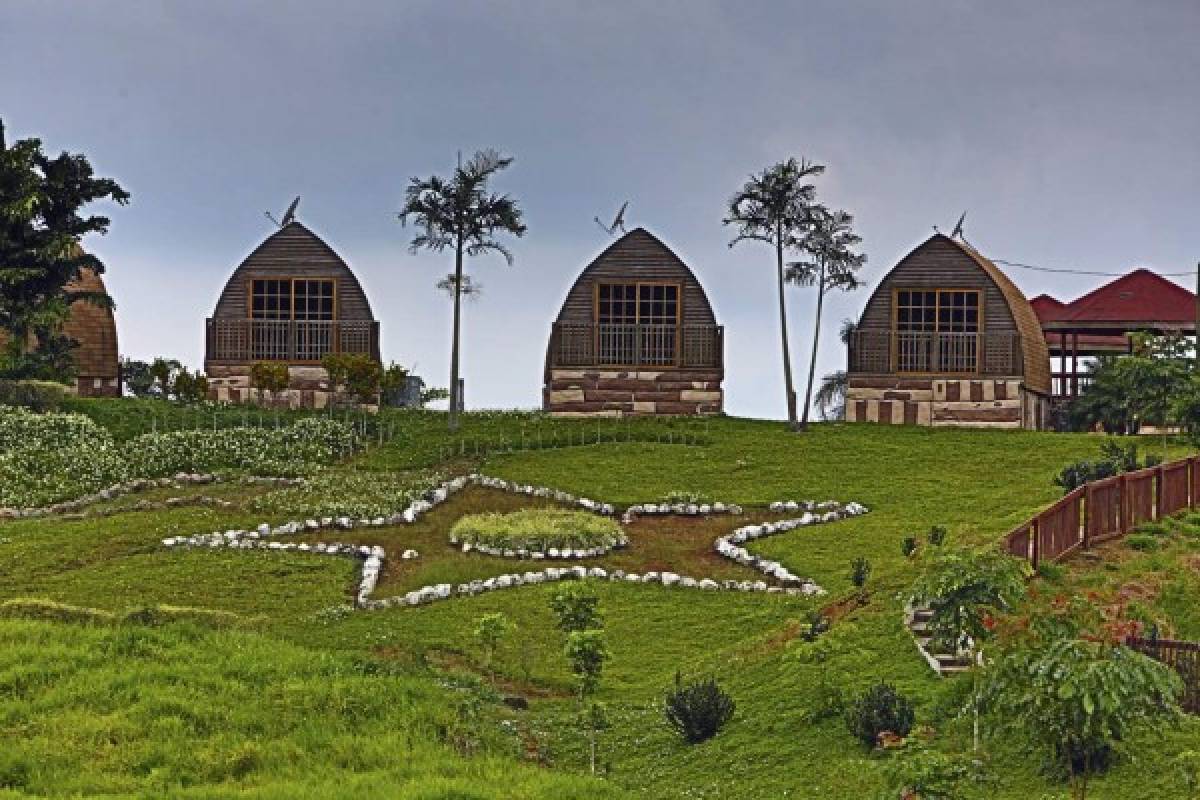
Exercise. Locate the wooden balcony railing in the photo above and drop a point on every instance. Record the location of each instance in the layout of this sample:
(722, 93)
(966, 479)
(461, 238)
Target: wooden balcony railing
(886, 352)
(237, 340)
(663, 346)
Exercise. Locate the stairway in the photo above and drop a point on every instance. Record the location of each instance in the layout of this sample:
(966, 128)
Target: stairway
(917, 622)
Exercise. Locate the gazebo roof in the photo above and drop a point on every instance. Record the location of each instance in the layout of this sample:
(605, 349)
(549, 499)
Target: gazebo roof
(1139, 300)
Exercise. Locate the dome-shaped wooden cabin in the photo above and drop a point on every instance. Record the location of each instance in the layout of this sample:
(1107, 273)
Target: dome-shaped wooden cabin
(293, 300)
(636, 335)
(95, 329)
(948, 340)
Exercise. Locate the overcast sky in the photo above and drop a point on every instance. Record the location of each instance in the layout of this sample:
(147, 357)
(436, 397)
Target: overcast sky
(1069, 131)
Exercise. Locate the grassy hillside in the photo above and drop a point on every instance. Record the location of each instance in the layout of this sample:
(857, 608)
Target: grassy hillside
(976, 483)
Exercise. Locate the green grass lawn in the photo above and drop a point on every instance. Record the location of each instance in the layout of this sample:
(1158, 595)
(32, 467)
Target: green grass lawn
(978, 484)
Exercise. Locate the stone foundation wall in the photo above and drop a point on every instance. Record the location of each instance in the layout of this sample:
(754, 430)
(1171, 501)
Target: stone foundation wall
(593, 392)
(86, 386)
(308, 387)
(1004, 403)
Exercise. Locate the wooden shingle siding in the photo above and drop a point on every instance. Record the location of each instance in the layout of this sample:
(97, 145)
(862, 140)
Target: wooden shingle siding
(637, 256)
(96, 331)
(294, 252)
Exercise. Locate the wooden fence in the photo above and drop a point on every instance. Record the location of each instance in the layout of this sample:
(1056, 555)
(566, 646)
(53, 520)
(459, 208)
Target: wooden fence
(1106, 509)
(1183, 657)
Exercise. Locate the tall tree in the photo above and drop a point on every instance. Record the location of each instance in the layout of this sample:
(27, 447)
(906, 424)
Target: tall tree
(462, 214)
(831, 263)
(41, 224)
(776, 206)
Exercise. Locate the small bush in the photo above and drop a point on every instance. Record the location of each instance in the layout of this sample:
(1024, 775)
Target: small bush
(818, 624)
(937, 536)
(698, 711)
(860, 570)
(877, 710)
(270, 376)
(577, 607)
(908, 546)
(1075, 475)
(34, 395)
(537, 530)
(1143, 542)
(50, 611)
(1049, 571)
(156, 616)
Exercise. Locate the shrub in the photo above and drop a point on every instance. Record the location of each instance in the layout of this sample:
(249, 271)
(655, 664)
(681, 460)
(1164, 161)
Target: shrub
(1075, 475)
(537, 530)
(908, 545)
(818, 623)
(860, 570)
(878, 710)
(1143, 542)
(697, 711)
(338, 493)
(270, 377)
(157, 616)
(34, 395)
(937, 535)
(577, 607)
(358, 375)
(48, 458)
(586, 652)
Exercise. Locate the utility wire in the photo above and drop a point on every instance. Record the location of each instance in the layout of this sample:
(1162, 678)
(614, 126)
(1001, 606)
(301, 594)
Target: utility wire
(1085, 271)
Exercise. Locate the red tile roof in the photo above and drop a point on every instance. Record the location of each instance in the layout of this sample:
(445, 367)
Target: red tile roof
(1140, 297)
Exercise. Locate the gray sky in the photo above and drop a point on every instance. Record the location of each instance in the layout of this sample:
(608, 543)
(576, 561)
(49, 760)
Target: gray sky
(1069, 130)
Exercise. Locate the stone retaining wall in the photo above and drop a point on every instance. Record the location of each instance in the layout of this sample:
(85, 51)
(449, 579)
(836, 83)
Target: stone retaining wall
(596, 392)
(944, 402)
(308, 387)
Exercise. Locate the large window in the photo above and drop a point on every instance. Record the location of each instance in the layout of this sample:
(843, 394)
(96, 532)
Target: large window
(637, 323)
(297, 314)
(937, 330)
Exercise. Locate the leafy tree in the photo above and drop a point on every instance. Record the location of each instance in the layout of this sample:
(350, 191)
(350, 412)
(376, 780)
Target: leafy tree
(1078, 699)
(697, 711)
(490, 631)
(964, 589)
(137, 378)
(460, 213)
(163, 372)
(586, 653)
(830, 397)
(577, 607)
(880, 709)
(860, 570)
(271, 377)
(831, 263)
(777, 207)
(41, 225)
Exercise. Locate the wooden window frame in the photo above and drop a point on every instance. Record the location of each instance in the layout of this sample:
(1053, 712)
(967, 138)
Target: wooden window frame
(637, 284)
(292, 279)
(937, 307)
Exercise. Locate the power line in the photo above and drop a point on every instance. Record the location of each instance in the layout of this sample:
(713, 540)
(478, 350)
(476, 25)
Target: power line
(1084, 271)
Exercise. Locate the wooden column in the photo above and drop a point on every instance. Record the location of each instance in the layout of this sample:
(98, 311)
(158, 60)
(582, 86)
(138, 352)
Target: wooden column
(1074, 365)
(1064, 386)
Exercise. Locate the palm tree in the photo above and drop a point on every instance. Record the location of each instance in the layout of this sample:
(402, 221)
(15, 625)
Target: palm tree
(776, 207)
(462, 214)
(831, 264)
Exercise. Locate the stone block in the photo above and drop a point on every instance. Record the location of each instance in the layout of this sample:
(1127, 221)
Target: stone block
(607, 395)
(566, 396)
(697, 396)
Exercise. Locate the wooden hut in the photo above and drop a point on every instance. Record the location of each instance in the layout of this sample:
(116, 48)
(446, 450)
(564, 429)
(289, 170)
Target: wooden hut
(636, 335)
(94, 329)
(292, 300)
(948, 340)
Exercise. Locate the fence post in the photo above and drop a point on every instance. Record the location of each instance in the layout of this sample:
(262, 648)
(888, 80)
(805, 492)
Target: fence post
(1158, 487)
(1086, 515)
(1122, 516)
(1035, 548)
(1191, 475)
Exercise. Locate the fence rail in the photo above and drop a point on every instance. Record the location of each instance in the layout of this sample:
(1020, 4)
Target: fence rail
(883, 351)
(1106, 509)
(638, 345)
(236, 340)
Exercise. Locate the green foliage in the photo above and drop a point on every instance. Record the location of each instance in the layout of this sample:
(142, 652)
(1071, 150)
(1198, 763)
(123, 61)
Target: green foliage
(50, 611)
(47, 458)
(1144, 542)
(537, 529)
(357, 374)
(931, 775)
(342, 492)
(34, 395)
(434, 394)
(1153, 385)
(577, 608)
(586, 653)
(880, 709)
(697, 711)
(491, 630)
(908, 546)
(393, 377)
(818, 624)
(137, 377)
(937, 535)
(964, 588)
(292, 450)
(1115, 458)
(1188, 765)
(187, 387)
(42, 200)
(270, 376)
(1077, 699)
(860, 570)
